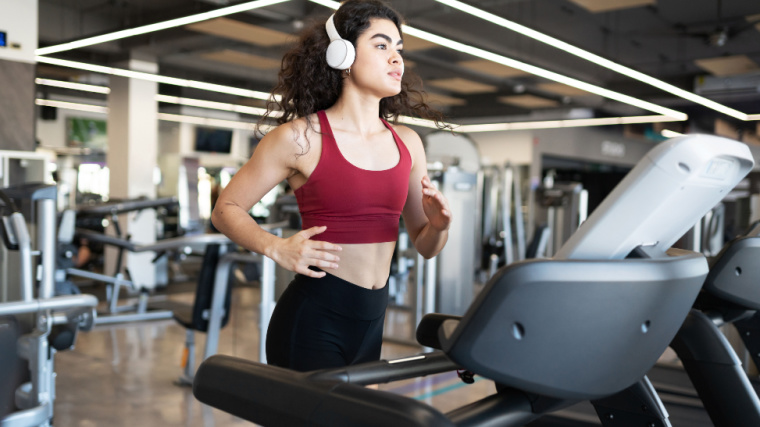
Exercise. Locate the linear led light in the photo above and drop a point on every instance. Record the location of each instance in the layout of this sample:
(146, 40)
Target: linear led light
(154, 77)
(72, 106)
(214, 105)
(594, 58)
(71, 85)
(481, 53)
(205, 121)
(753, 117)
(414, 121)
(669, 133)
(404, 119)
(206, 104)
(157, 26)
(553, 124)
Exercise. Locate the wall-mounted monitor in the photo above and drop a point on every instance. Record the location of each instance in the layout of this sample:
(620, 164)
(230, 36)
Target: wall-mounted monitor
(213, 140)
(86, 133)
(3, 39)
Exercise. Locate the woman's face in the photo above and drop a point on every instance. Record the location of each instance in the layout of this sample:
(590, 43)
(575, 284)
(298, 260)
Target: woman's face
(378, 67)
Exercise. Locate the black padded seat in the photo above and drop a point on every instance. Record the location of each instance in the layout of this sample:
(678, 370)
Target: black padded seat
(13, 369)
(196, 316)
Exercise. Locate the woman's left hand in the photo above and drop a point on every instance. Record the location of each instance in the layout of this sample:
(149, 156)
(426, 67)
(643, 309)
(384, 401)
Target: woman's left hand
(436, 206)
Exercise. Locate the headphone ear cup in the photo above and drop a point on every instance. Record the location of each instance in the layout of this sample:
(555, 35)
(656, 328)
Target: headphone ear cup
(340, 54)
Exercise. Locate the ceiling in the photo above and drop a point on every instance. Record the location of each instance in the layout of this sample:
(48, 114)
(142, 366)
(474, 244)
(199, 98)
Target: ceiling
(708, 46)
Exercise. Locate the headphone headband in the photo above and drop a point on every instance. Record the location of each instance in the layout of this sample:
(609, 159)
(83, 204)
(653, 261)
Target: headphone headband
(332, 32)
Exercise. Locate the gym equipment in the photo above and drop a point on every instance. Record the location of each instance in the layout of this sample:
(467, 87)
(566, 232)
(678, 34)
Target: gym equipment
(503, 231)
(38, 324)
(730, 295)
(536, 329)
(140, 311)
(211, 307)
(566, 205)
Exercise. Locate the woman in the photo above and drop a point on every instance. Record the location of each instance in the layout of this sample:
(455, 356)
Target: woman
(353, 174)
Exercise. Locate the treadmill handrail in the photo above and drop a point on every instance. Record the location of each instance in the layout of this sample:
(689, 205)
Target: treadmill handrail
(125, 206)
(60, 303)
(166, 244)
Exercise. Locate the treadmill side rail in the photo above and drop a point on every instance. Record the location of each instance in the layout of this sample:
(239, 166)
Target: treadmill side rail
(713, 367)
(272, 396)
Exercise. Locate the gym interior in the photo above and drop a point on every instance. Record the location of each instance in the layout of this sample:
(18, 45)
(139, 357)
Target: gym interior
(602, 174)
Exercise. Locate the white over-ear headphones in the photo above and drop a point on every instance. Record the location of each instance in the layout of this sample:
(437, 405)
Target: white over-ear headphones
(340, 52)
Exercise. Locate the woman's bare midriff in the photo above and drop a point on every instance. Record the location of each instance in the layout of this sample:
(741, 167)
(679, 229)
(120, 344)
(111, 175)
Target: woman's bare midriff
(366, 265)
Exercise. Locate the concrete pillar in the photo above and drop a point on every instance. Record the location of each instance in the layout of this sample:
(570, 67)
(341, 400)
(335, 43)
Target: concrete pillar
(18, 22)
(131, 159)
(18, 25)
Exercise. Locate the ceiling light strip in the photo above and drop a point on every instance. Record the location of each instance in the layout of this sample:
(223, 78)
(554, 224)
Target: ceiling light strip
(554, 124)
(205, 121)
(236, 108)
(72, 106)
(594, 58)
(72, 85)
(157, 26)
(154, 77)
(753, 117)
(442, 41)
(545, 73)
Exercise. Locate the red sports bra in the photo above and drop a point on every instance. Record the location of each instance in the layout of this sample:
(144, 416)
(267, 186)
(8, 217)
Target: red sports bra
(356, 205)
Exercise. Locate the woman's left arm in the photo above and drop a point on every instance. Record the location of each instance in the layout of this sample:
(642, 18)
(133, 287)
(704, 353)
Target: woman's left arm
(426, 213)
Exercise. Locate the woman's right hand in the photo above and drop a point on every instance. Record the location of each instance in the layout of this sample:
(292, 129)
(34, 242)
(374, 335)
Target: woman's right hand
(298, 252)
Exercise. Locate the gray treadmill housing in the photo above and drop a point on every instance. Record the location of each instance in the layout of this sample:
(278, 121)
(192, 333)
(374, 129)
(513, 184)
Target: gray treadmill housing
(734, 275)
(561, 327)
(661, 198)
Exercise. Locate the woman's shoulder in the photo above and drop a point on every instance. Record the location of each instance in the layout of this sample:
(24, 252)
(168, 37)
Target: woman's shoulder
(407, 135)
(294, 134)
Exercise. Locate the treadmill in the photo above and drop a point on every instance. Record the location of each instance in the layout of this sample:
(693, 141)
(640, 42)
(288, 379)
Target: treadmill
(585, 325)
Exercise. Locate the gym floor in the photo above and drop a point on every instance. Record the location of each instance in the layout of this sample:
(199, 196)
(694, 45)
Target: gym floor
(124, 375)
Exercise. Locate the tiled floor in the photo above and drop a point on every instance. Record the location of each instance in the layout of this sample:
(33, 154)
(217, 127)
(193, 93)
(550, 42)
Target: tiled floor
(123, 375)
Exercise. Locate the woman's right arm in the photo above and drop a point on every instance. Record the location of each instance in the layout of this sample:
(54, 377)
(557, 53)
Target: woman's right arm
(273, 161)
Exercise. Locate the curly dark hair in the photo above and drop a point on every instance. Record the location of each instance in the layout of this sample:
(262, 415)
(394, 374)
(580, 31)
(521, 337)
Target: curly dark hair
(307, 84)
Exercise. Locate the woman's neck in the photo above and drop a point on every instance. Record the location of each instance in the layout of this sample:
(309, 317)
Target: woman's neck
(355, 113)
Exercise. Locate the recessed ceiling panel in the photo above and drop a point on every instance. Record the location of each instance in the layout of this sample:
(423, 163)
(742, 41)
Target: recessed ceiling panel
(528, 101)
(727, 65)
(412, 44)
(241, 31)
(597, 6)
(492, 68)
(241, 58)
(461, 85)
(755, 18)
(436, 99)
(562, 89)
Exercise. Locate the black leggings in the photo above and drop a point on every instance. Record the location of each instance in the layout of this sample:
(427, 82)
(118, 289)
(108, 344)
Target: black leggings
(326, 323)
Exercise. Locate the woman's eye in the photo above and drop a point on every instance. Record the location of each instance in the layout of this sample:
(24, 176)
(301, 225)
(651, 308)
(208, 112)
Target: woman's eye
(400, 52)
